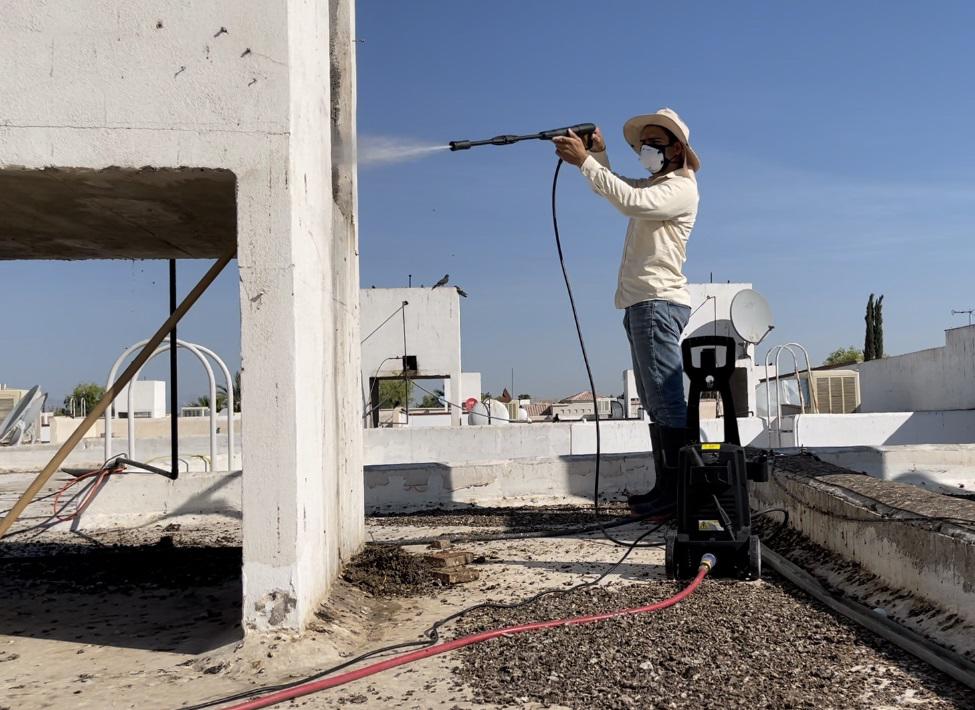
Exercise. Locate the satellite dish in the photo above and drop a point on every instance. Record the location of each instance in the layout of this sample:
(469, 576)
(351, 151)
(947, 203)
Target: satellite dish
(751, 316)
(499, 413)
(22, 418)
(478, 414)
(17, 413)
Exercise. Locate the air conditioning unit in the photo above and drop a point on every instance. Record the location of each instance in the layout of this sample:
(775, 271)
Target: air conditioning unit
(836, 391)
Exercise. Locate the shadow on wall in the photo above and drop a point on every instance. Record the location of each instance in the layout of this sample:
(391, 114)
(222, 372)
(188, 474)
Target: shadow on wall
(530, 481)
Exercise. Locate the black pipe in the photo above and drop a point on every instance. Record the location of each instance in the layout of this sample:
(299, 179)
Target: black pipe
(173, 377)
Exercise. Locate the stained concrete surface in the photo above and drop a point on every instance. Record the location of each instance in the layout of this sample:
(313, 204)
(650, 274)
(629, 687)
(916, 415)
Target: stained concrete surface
(117, 213)
(107, 665)
(903, 496)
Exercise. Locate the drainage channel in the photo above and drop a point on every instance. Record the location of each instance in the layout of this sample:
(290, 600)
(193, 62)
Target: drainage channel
(943, 659)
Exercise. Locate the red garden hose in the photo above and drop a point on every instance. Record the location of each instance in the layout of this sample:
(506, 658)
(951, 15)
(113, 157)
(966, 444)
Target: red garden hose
(707, 562)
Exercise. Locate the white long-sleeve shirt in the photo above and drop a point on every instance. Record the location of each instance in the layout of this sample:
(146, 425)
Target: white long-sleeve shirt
(662, 212)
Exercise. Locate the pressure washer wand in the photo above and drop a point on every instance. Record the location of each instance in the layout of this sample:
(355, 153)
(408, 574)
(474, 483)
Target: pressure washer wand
(583, 130)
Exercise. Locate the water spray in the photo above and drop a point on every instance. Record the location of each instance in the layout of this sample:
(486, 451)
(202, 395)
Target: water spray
(583, 130)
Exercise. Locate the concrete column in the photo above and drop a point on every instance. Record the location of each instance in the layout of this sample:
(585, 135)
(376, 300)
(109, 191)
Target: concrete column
(346, 354)
(302, 491)
(162, 97)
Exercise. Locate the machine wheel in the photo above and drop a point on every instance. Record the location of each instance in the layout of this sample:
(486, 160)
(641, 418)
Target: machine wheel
(755, 557)
(670, 560)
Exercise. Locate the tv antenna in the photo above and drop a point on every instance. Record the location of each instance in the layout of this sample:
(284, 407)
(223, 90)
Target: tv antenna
(969, 311)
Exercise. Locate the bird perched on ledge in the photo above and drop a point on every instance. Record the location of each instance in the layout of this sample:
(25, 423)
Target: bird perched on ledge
(442, 282)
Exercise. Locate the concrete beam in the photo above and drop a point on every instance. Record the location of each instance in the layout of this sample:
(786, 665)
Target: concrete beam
(117, 213)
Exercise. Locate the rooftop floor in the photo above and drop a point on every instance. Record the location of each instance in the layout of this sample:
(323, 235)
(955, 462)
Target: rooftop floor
(148, 618)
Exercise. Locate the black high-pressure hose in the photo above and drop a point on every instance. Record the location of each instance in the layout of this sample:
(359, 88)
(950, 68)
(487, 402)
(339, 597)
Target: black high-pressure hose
(585, 359)
(432, 635)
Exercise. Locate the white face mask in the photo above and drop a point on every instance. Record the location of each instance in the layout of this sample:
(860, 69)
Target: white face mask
(652, 159)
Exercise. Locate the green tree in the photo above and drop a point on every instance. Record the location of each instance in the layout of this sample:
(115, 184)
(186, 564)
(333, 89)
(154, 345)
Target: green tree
(222, 394)
(524, 396)
(204, 401)
(432, 401)
(878, 328)
(843, 356)
(870, 338)
(394, 393)
(87, 392)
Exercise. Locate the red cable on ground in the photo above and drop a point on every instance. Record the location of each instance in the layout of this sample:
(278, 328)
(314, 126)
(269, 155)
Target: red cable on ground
(100, 475)
(403, 659)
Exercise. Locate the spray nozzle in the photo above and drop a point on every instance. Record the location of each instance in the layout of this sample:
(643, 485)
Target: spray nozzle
(583, 130)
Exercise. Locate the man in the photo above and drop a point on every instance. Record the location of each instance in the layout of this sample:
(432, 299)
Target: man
(652, 288)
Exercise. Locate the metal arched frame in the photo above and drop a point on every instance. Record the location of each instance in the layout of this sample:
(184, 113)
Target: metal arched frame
(198, 351)
(777, 350)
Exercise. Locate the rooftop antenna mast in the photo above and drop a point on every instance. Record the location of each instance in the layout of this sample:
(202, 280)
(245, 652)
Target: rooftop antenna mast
(969, 311)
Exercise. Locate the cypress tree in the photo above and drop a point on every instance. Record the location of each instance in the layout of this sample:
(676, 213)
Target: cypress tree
(869, 340)
(878, 328)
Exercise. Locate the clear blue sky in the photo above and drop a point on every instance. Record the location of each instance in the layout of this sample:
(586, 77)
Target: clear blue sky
(837, 148)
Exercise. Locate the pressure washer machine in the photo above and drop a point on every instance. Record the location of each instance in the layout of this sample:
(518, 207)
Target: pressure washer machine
(712, 491)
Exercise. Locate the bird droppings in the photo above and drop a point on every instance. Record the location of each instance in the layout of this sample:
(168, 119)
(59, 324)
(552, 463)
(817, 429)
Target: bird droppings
(730, 645)
(391, 572)
(520, 519)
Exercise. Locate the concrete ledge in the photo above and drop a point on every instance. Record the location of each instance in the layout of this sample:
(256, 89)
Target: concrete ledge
(538, 481)
(943, 468)
(934, 561)
(135, 499)
(90, 453)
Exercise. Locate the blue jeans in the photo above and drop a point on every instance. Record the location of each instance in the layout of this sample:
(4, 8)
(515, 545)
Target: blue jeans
(654, 329)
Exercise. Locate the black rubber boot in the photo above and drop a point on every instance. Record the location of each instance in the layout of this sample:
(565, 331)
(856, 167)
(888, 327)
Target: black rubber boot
(661, 502)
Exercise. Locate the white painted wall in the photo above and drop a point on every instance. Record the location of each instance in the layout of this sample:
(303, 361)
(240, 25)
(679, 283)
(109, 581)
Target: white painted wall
(406, 445)
(432, 322)
(148, 397)
(470, 386)
(885, 428)
(928, 380)
(131, 84)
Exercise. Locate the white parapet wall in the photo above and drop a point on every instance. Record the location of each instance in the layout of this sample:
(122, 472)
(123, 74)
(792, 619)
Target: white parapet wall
(406, 445)
(936, 379)
(412, 469)
(885, 429)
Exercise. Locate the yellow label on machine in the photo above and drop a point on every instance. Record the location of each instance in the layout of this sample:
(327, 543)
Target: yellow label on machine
(710, 447)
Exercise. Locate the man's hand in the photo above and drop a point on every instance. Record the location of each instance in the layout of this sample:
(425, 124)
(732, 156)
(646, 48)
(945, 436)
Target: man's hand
(571, 149)
(598, 144)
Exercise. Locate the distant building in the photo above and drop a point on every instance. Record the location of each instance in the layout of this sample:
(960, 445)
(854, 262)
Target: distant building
(579, 406)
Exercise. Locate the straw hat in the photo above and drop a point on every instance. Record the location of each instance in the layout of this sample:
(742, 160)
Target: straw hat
(665, 118)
